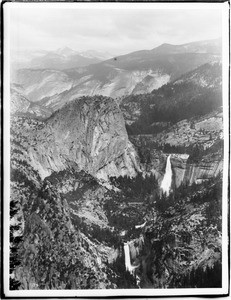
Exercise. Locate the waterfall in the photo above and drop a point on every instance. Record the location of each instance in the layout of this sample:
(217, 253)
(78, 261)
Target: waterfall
(128, 265)
(167, 180)
(140, 226)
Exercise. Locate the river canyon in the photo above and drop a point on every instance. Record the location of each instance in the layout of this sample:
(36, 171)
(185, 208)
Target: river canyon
(116, 171)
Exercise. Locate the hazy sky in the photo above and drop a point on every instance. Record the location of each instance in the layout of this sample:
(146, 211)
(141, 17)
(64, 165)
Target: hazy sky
(117, 31)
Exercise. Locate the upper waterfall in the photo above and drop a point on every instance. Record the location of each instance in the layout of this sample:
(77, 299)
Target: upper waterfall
(167, 180)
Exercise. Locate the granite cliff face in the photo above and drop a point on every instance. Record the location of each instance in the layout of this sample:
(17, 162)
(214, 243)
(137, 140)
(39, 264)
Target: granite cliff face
(87, 134)
(207, 168)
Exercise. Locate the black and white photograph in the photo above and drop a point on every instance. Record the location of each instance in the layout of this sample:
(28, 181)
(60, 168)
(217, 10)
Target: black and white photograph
(116, 149)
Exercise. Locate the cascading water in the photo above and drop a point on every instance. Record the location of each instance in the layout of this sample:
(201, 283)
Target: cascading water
(128, 265)
(140, 226)
(167, 180)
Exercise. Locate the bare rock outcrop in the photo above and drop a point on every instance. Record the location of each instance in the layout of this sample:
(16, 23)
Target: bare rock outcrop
(185, 170)
(88, 134)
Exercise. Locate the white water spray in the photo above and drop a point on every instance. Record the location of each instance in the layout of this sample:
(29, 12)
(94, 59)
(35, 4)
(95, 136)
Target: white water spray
(167, 180)
(140, 226)
(128, 265)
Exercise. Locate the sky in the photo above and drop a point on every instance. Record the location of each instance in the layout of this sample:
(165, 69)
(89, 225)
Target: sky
(117, 31)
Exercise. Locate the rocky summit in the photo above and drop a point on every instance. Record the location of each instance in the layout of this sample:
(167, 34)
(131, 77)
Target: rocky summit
(88, 134)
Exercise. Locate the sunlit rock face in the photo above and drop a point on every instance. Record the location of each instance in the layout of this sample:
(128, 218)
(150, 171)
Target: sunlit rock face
(179, 166)
(186, 171)
(87, 134)
(18, 102)
(38, 84)
(127, 164)
(20, 105)
(203, 171)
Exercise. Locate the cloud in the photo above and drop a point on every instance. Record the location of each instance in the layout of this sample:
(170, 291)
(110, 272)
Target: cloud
(117, 30)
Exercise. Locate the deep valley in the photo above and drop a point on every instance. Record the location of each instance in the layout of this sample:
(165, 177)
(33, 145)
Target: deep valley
(117, 170)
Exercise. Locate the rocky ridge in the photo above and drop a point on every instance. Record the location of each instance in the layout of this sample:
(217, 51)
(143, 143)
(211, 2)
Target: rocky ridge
(20, 105)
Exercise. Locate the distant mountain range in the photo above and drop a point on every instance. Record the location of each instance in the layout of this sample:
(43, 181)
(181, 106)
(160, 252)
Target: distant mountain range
(62, 58)
(138, 72)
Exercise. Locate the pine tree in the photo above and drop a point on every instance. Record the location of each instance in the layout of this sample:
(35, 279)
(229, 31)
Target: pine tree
(14, 242)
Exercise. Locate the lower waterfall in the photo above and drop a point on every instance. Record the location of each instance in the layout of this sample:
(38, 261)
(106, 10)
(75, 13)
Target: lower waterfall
(140, 226)
(167, 180)
(128, 265)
